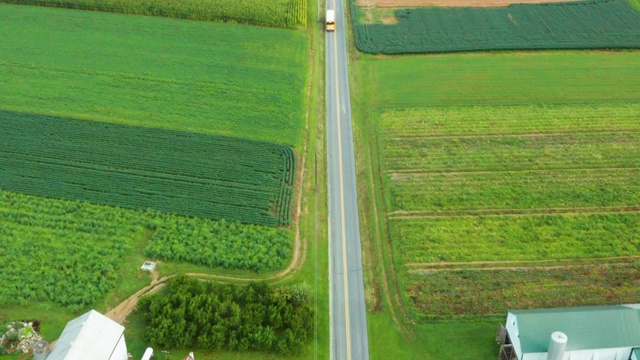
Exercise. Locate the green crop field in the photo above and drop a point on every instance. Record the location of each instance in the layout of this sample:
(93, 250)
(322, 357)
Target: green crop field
(74, 253)
(609, 81)
(157, 118)
(140, 168)
(591, 24)
(512, 157)
(216, 78)
(469, 294)
(506, 191)
(502, 238)
(463, 187)
(279, 13)
(509, 180)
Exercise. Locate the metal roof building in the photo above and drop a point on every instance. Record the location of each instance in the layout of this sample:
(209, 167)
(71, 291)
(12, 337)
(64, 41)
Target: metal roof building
(91, 336)
(592, 332)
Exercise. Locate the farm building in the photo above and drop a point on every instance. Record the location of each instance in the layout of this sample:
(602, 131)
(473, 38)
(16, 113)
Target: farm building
(580, 333)
(91, 336)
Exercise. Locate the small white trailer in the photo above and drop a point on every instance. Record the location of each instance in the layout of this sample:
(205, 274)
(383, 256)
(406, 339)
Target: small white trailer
(331, 20)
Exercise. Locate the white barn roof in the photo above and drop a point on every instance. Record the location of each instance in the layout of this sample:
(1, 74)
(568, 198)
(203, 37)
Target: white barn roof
(588, 327)
(90, 336)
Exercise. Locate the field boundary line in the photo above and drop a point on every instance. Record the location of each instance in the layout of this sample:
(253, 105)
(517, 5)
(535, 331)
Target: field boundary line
(401, 174)
(506, 134)
(525, 268)
(426, 172)
(404, 215)
(444, 264)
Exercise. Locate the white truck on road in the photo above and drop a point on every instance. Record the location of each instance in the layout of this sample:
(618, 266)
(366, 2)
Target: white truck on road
(331, 20)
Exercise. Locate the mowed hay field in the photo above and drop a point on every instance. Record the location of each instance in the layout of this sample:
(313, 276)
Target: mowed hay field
(510, 181)
(225, 79)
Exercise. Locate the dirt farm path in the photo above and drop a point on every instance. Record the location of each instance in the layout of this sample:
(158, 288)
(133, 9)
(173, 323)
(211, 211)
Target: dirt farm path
(120, 312)
(447, 3)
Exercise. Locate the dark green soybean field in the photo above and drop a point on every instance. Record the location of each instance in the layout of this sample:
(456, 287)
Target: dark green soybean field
(145, 168)
(591, 24)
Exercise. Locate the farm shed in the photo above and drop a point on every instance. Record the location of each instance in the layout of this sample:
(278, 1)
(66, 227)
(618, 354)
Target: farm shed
(580, 333)
(91, 336)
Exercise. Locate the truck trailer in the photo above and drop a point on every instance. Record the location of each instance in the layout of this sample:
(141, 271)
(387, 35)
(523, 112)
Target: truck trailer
(331, 20)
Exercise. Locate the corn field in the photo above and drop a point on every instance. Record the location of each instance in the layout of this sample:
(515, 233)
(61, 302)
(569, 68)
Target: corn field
(277, 13)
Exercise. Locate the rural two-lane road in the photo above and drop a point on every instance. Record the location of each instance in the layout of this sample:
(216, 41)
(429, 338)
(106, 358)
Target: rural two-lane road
(348, 311)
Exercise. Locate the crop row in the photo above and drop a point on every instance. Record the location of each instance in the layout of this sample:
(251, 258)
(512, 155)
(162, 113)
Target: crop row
(516, 190)
(514, 152)
(498, 238)
(71, 253)
(469, 294)
(509, 120)
(176, 172)
(568, 25)
(279, 13)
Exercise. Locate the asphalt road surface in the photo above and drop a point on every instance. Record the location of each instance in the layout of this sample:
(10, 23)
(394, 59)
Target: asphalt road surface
(348, 311)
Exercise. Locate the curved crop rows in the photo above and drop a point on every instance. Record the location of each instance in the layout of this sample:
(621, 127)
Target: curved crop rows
(176, 172)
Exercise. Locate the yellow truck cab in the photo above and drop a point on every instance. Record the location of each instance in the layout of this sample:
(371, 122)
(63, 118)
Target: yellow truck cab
(331, 20)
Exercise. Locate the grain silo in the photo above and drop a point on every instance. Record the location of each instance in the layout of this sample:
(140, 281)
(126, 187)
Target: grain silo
(557, 346)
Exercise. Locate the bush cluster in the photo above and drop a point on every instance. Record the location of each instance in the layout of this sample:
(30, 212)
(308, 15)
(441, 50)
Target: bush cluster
(259, 317)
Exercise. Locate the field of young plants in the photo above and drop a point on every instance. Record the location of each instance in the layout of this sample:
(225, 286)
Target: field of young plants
(591, 24)
(513, 191)
(216, 78)
(71, 253)
(146, 168)
(478, 293)
(279, 13)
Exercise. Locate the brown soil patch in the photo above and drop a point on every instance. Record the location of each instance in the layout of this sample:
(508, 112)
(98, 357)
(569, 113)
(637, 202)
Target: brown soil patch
(389, 20)
(447, 3)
